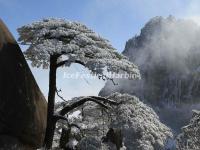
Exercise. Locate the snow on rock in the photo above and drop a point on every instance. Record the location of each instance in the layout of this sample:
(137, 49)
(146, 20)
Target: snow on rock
(189, 139)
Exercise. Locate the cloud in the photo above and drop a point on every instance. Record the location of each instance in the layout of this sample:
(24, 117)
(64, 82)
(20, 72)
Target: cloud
(194, 18)
(171, 43)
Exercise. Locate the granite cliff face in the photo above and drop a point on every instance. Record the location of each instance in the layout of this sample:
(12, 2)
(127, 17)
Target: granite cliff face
(23, 106)
(167, 52)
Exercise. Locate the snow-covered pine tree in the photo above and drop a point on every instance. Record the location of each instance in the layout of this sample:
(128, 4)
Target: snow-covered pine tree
(57, 42)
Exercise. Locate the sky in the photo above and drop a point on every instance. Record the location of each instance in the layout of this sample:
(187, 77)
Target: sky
(115, 20)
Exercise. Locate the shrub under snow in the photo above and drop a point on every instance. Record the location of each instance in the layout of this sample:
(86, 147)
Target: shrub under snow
(189, 139)
(140, 127)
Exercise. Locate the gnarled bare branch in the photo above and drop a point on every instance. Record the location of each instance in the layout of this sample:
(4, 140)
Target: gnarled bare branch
(95, 99)
(65, 61)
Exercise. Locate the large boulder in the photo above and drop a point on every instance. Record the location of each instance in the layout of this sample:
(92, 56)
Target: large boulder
(22, 105)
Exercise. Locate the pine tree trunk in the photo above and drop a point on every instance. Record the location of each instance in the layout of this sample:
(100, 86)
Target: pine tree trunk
(64, 139)
(51, 102)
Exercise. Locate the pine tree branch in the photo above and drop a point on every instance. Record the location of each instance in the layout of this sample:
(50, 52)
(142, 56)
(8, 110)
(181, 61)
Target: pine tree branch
(66, 61)
(57, 92)
(97, 100)
(59, 117)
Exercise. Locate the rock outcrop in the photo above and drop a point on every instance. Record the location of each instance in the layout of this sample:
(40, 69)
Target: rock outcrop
(22, 105)
(167, 53)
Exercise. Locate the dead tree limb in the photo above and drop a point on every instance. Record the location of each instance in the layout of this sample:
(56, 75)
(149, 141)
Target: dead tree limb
(80, 102)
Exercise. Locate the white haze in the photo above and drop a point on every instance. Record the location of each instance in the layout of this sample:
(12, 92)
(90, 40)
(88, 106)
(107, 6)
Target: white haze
(166, 43)
(171, 42)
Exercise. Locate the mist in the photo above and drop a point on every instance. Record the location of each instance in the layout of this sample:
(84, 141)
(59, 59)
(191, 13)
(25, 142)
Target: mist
(171, 41)
(167, 52)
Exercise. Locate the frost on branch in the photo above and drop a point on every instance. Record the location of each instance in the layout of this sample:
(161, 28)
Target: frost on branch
(90, 143)
(140, 126)
(71, 41)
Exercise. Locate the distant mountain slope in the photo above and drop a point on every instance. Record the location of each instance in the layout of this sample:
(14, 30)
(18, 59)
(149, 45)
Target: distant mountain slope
(167, 52)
